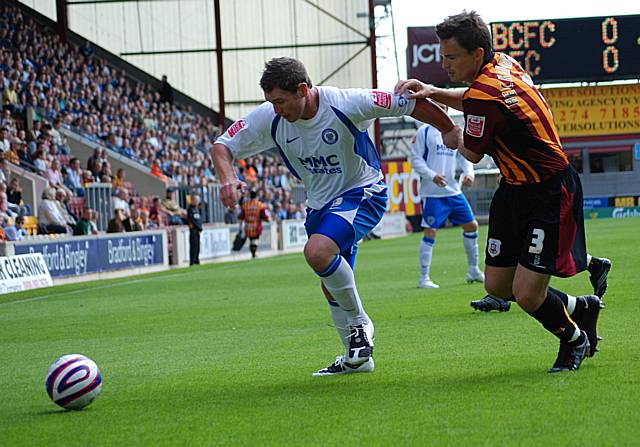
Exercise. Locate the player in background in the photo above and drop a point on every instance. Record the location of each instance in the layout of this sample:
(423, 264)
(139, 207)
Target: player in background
(536, 226)
(442, 199)
(321, 135)
(253, 213)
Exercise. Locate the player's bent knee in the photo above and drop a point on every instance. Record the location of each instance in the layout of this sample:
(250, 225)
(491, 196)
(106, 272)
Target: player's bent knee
(470, 226)
(319, 253)
(430, 232)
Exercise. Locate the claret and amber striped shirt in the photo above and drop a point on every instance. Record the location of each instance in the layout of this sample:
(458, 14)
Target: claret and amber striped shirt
(507, 118)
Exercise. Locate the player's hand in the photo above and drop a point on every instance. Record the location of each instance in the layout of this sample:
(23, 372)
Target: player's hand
(440, 180)
(467, 180)
(230, 192)
(414, 89)
(453, 138)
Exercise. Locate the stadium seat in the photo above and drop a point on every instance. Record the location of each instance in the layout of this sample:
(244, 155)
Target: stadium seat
(76, 204)
(31, 225)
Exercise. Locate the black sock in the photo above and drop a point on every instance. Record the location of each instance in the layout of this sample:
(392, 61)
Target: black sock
(580, 305)
(554, 317)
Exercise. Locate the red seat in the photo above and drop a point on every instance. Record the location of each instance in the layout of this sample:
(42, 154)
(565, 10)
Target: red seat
(76, 204)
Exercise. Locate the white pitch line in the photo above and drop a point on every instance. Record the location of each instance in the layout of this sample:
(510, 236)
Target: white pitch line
(106, 286)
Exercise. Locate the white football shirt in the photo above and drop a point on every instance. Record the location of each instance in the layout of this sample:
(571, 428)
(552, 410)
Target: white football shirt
(330, 153)
(430, 157)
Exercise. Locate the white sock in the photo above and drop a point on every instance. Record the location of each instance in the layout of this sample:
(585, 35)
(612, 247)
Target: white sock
(426, 252)
(339, 280)
(576, 334)
(340, 321)
(571, 304)
(471, 247)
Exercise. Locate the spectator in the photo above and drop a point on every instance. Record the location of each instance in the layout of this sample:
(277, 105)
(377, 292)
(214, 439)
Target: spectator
(40, 163)
(58, 139)
(62, 200)
(10, 97)
(279, 213)
(154, 211)
(4, 170)
(116, 224)
(5, 210)
(5, 145)
(54, 174)
(131, 222)
(119, 179)
(14, 196)
(74, 180)
(170, 206)
(49, 214)
(121, 201)
(231, 215)
(194, 219)
(16, 232)
(144, 222)
(86, 225)
(166, 91)
(93, 159)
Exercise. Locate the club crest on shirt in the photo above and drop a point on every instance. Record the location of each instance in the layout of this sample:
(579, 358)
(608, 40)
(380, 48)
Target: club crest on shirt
(381, 99)
(330, 136)
(235, 128)
(493, 247)
(475, 125)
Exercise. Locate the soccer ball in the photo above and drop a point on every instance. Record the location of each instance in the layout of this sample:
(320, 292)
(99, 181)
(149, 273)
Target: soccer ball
(73, 381)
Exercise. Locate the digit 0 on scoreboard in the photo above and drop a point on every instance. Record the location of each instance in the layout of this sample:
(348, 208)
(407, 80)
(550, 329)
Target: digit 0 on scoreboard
(576, 49)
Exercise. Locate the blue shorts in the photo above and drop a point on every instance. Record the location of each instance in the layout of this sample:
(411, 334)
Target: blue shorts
(436, 211)
(349, 217)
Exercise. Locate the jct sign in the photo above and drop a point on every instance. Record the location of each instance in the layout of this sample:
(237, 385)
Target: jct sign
(403, 187)
(423, 56)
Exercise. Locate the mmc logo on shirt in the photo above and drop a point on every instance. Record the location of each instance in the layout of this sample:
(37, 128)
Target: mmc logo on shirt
(321, 165)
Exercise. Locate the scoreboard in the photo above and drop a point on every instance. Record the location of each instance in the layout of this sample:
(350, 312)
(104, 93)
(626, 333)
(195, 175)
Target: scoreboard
(571, 50)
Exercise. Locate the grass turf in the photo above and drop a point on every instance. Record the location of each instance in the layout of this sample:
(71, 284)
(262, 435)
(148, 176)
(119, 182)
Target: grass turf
(223, 354)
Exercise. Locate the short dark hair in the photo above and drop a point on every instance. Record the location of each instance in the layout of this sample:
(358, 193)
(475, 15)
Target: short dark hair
(469, 30)
(285, 73)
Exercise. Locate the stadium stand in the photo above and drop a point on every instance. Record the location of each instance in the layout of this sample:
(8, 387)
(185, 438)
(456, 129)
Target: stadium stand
(50, 88)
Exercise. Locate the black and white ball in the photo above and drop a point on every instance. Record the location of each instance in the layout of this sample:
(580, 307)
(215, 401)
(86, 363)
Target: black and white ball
(74, 381)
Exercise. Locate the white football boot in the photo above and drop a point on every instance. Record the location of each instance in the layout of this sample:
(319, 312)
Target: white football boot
(426, 283)
(475, 275)
(341, 366)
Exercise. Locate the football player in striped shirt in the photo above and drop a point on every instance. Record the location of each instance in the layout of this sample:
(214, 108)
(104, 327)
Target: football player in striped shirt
(536, 227)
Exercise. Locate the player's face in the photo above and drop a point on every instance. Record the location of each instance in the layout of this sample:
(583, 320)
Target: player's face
(286, 104)
(460, 64)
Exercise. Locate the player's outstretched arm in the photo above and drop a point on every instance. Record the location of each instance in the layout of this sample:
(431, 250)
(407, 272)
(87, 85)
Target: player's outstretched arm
(225, 173)
(428, 112)
(415, 89)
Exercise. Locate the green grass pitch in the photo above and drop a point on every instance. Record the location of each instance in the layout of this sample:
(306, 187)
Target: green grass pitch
(223, 355)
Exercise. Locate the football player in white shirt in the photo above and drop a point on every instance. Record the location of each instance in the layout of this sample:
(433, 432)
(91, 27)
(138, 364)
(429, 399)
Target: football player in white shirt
(321, 135)
(442, 199)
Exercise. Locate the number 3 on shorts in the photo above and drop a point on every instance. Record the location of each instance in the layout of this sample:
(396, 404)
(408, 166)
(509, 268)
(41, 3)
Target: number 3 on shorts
(536, 241)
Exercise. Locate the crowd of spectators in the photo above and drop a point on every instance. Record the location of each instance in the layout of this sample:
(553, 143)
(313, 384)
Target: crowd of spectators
(47, 84)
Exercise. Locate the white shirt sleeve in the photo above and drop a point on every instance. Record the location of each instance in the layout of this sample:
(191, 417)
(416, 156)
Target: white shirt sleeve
(417, 155)
(251, 134)
(363, 105)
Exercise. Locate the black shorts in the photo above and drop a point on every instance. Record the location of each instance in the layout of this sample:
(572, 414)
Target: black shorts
(540, 226)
